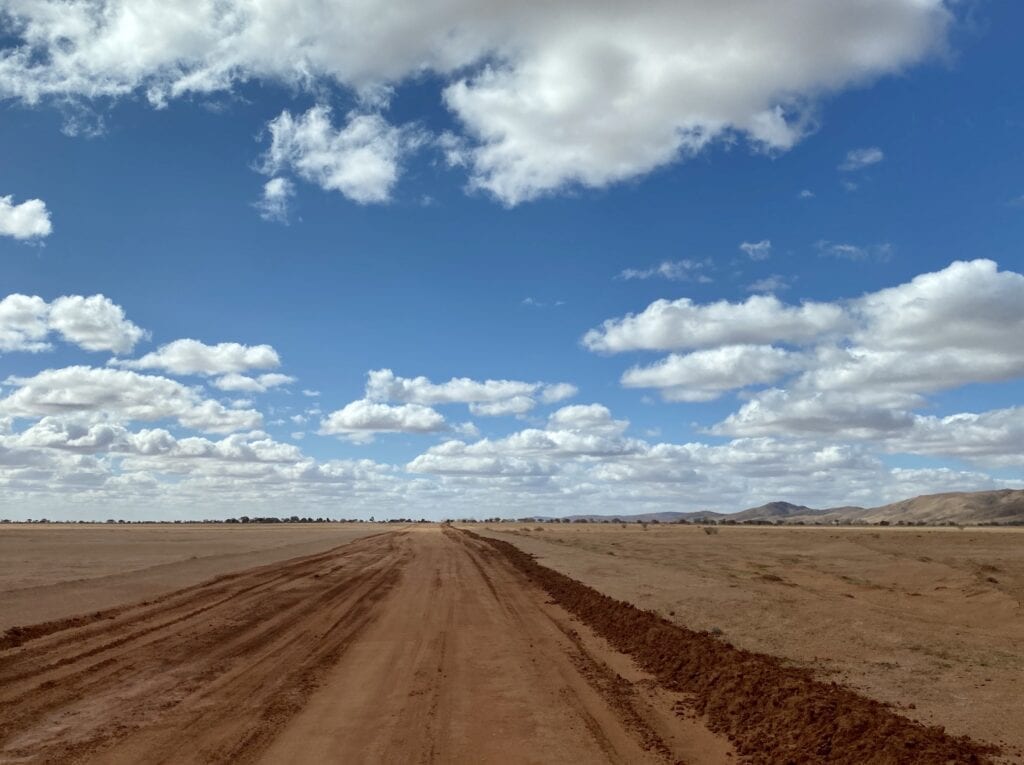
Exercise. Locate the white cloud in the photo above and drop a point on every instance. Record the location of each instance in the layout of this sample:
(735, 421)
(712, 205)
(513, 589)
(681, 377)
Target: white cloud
(488, 398)
(361, 159)
(591, 95)
(28, 220)
(941, 330)
(360, 420)
(854, 370)
(770, 284)
(993, 438)
(576, 432)
(261, 384)
(705, 375)
(467, 430)
(552, 394)
(85, 437)
(858, 159)
(24, 323)
(586, 418)
(583, 460)
(517, 405)
(806, 194)
(273, 205)
(94, 323)
(821, 414)
(682, 324)
(757, 250)
(674, 270)
(192, 357)
(120, 394)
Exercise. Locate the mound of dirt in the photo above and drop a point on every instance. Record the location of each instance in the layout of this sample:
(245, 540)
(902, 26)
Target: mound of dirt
(773, 713)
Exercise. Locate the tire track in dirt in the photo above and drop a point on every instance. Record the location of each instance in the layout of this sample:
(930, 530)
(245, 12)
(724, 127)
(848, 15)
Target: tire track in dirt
(207, 674)
(469, 663)
(416, 645)
(772, 712)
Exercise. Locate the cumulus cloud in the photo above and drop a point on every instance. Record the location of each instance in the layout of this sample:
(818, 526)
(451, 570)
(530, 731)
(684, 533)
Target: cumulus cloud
(705, 375)
(273, 205)
(28, 220)
(757, 250)
(941, 330)
(516, 405)
(585, 460)
(87, 437)
(24, 323)
(552, 394)
(581, 461)
(360, 420)
(682, 324)
(589, 95)
(858, 159)
(121, 395)
(869, 414)
(485, 397)
(584, 431)
(993, 438)
(856, 369)
(361, 159)
(260, 384)
(192, 357)
(94, 323)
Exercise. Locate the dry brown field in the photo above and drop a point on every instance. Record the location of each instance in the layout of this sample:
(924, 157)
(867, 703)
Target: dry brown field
(930, 620)
(373, 643)
(51, 571)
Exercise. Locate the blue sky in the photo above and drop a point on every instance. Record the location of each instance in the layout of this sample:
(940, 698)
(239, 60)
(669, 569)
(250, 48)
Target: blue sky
(463, 193)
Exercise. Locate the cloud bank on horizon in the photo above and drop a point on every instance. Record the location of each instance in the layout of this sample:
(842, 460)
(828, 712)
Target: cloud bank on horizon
(826, 389)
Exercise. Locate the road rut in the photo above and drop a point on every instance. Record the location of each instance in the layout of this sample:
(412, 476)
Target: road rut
(417, 645)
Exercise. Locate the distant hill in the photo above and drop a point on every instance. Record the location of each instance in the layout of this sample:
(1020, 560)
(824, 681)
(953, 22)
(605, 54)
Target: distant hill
(668, 517)
(774, 511)
(1001, 506)
(1005, 506)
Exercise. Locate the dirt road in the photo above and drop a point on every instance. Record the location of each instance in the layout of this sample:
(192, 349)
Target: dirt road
(419, 645)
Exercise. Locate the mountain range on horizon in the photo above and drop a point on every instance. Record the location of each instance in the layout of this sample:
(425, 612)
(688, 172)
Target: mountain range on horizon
(1003, 506)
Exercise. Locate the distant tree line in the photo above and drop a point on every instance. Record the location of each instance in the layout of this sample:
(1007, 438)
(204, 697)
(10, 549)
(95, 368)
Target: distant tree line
(731, 522)
(529, 519)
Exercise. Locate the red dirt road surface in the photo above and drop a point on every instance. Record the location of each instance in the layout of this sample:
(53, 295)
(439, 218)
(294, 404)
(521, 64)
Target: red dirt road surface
(420, 645)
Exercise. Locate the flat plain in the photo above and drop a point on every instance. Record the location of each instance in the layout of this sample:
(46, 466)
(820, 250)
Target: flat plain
(928, 619)
(389, 643)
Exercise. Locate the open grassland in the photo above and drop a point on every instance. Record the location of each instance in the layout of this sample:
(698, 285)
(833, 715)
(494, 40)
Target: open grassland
(931, 620)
